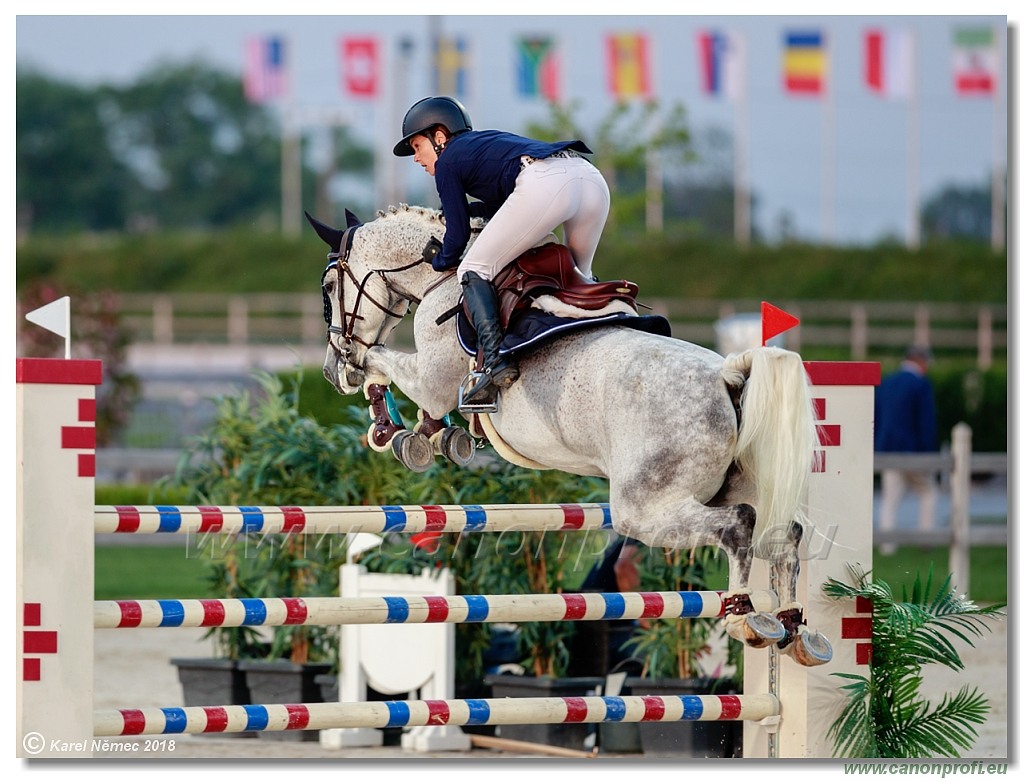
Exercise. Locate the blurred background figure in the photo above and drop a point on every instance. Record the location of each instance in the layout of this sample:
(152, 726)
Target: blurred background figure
(905, 422)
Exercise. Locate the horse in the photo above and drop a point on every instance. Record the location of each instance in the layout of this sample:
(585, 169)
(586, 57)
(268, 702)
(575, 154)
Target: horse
(698, 449)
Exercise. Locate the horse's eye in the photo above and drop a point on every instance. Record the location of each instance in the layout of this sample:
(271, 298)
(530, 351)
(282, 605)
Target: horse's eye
(329, 288)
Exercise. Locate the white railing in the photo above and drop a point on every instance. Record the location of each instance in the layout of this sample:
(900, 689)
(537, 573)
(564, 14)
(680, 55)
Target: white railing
(956, 467)
(859, 327)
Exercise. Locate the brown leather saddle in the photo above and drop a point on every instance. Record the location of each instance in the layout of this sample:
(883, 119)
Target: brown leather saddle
(549, 269)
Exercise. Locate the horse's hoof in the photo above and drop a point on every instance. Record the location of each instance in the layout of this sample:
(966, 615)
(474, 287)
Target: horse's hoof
(810, 649)
(457, 446)
(756, 629)
(413, 450)
(761, 630)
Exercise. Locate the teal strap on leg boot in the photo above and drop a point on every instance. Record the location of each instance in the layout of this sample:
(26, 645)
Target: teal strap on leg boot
(498, 371)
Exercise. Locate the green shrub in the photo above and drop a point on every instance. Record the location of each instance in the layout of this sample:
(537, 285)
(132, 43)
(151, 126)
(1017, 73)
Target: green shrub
(262, 450)
(977, 398)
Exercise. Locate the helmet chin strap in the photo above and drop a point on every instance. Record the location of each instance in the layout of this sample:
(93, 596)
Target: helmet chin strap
(438, 148)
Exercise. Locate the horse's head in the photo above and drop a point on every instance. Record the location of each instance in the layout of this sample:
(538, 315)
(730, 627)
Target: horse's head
(373, 273)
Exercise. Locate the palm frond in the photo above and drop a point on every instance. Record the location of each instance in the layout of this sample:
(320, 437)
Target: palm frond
(850, 732)
(942, 731)
(885, 715)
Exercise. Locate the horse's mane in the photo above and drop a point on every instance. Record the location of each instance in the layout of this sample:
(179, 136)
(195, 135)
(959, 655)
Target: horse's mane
(425, 213)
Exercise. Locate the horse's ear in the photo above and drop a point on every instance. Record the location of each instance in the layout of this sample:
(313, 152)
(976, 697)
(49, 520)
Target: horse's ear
(332, 236)
(351, 220)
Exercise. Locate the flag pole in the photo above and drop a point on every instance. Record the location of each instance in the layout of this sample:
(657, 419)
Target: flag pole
(291, 157)
(740, 141)
(913, 150)
(828, 154)
(655, 210)
(998, 187)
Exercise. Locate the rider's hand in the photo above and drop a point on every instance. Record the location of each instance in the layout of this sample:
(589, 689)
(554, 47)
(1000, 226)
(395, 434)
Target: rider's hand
(432, 253)
(443, 266)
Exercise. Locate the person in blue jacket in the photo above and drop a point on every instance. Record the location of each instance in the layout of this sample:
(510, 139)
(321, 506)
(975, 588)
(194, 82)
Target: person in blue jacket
(524, 187)
(905, 422)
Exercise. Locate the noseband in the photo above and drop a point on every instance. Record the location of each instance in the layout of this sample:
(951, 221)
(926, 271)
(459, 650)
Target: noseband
(339, 262)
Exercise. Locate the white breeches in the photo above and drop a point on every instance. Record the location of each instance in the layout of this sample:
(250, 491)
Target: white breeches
(555, 191)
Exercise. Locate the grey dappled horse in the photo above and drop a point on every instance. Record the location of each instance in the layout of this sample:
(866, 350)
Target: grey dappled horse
(698, 449)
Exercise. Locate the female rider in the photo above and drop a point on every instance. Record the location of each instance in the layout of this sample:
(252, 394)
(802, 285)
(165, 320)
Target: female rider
(526, 189)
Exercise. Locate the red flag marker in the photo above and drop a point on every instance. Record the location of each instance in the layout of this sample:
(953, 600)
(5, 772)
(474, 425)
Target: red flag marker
(774, 321)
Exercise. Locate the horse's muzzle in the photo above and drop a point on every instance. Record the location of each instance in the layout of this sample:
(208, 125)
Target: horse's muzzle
(340, 373)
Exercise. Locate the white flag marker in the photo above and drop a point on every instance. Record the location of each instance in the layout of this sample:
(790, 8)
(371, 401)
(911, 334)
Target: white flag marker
(55, 317)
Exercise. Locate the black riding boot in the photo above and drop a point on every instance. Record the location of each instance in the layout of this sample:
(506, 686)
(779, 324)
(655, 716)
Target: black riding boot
(499, 371)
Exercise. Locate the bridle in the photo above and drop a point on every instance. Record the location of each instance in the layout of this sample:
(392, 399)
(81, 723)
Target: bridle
(339, 261)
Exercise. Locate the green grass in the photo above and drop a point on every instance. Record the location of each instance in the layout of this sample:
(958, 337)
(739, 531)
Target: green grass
(152, 572)
(988, 564)
(130, 572)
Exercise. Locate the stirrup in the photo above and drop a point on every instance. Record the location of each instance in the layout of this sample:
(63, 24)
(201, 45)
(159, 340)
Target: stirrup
(473, 408)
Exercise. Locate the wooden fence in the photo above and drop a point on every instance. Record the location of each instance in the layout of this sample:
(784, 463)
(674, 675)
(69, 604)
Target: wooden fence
(855, 329)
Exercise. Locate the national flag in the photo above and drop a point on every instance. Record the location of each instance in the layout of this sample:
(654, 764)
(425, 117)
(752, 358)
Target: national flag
(975, 58)
(720, 59)
(804, 62)
(889, 62)
(628, 69)
(360, 68)
(537, 68)
(451, 56)
(266, 75)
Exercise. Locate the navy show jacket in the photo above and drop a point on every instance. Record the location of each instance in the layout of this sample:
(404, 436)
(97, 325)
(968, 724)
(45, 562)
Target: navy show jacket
(905, 414)
(482, 164)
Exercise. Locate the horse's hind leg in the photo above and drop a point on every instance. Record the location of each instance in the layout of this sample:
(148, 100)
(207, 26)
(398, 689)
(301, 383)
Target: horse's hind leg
(805, 646)
(729, 527)
(753, 624)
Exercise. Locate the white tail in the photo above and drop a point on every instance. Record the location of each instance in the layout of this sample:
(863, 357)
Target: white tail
(777, 439)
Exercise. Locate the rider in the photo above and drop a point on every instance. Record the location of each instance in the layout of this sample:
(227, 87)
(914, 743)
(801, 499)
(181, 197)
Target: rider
(526, 189)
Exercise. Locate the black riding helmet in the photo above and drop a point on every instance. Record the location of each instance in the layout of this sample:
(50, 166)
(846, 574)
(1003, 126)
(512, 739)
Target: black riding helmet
(427, 113)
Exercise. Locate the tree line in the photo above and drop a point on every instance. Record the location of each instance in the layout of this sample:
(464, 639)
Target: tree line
(182, 149)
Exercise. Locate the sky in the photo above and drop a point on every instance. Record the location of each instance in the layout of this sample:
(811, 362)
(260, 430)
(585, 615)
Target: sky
(835, 169)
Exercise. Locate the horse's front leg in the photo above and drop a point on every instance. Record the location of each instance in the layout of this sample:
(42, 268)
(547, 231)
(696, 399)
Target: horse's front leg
(418, 380)
(431, 435)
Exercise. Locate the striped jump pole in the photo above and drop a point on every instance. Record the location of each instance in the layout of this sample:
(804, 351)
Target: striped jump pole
(403, 714)
(305, 520)
(455, 609)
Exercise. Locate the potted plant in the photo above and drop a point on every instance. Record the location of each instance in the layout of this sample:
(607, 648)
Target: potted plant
(886, 716)
(219, 680)
(260, 450)
(685, 657)
(537, 563)
(298, 655)
(509, 563)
